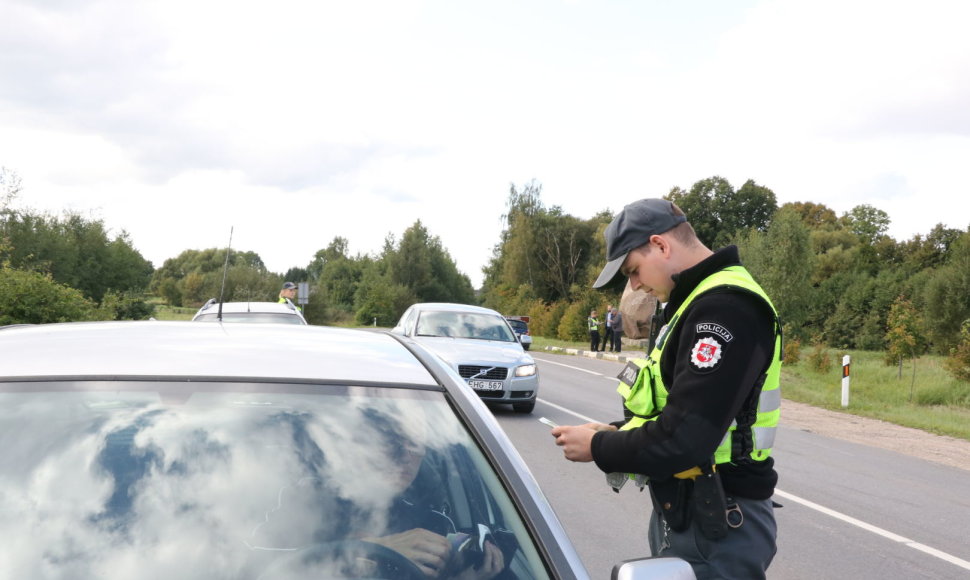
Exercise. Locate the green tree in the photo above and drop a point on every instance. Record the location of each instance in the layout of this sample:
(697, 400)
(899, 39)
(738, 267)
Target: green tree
(719, 214)
(336, 277)
(904, 337)
(702, 205)
(946, 298)
(422, 265)
(544, 248)
(816, 216)
(75, 251)
(781, 260)
(380, 299)
(958, 363)
(861, 307)
(10, 186)
(920, 252)
(867, 222)
(195, 276)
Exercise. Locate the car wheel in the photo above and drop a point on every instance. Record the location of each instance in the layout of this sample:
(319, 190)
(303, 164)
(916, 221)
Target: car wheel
(524, 407)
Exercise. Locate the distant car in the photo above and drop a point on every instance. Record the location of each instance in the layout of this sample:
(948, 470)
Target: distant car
(245, 452)
(480, 346)
(520, 324)
(274, 312)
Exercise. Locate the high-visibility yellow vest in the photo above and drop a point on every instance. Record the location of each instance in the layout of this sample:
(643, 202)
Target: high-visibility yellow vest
(645, 395)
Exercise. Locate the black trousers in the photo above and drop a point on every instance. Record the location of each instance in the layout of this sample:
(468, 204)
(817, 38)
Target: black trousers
(594, 340)
(607, 338)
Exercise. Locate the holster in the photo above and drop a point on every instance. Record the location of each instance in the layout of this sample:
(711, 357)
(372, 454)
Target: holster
(700, 500)
(671, 499)
(710, 505)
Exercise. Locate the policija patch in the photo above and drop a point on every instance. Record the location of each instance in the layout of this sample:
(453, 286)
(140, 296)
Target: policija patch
(706, 353)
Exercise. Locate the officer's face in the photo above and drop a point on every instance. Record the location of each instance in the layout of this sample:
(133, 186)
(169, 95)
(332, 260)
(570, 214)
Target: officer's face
(647, 270)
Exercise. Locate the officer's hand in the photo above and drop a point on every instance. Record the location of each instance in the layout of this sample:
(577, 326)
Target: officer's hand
(575, 442)
(428, 550)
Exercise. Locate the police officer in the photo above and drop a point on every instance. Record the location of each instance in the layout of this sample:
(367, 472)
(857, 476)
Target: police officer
(704, 405)
(288, 294)
(593, 325)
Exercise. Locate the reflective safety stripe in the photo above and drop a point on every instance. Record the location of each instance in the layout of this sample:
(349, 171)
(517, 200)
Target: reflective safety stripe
(769, 401)
(764, 437)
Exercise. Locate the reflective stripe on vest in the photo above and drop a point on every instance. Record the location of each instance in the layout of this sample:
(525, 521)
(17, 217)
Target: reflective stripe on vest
(646, 395)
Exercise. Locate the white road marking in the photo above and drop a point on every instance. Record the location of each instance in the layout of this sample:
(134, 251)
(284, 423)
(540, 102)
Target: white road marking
(567, 411)
(877, 530)
(809, 504)
(610, 377)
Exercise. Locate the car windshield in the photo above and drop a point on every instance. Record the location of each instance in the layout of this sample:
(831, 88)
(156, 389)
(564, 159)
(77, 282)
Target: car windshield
(274, 317)
(116, 479)
(464, 325)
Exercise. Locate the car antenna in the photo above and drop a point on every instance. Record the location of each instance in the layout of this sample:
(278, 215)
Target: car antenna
(225, 269)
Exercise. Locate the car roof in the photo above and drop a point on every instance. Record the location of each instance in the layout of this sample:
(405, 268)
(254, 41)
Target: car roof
(451, 307)
(159, 349)
(268, 307)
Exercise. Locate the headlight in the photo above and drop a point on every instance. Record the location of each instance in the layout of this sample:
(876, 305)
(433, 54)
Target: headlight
(525, 371)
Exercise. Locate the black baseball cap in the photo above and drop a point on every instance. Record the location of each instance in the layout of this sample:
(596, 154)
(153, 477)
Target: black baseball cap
(288, 285)
(631, 228)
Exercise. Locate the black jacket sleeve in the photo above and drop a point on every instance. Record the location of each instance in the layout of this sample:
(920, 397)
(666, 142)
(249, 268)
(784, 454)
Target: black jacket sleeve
(713, 359)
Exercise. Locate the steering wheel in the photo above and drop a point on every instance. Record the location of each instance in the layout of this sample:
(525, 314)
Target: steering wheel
(339, 560)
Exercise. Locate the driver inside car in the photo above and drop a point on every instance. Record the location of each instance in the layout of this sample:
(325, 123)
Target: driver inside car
(413, 524)
(428, 537)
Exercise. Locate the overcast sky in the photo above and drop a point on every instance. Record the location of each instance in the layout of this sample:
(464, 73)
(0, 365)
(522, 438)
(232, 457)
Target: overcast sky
(297, 121)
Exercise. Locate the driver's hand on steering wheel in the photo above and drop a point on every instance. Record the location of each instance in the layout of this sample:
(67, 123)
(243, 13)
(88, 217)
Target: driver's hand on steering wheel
(428, 550)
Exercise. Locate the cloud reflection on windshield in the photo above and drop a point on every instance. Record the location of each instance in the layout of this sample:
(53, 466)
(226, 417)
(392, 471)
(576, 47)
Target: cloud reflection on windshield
(119, 485)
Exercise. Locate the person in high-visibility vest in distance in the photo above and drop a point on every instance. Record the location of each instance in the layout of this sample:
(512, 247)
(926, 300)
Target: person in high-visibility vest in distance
(288, 294)
(593, 326)
(703, 407)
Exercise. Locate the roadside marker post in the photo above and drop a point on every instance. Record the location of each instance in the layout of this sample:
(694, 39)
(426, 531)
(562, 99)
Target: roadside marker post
(845, 381)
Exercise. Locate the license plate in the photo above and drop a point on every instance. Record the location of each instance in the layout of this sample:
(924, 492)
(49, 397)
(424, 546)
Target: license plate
(485, 385)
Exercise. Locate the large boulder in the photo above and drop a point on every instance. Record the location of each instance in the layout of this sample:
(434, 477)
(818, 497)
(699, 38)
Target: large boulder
(637, 309)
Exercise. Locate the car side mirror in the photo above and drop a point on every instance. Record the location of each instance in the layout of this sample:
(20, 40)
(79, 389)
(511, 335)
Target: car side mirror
(653, 569)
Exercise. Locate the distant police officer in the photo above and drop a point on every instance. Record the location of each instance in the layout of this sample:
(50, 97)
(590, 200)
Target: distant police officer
(705, 403)
(288, 294)
(593, 326)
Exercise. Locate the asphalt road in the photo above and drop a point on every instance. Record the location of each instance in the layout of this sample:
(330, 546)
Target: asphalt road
(850, 511)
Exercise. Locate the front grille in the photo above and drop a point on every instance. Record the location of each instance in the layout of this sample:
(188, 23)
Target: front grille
(493, 374)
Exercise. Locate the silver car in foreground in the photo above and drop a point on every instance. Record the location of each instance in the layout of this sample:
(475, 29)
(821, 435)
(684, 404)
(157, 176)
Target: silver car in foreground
(479, 345)
(258, 451)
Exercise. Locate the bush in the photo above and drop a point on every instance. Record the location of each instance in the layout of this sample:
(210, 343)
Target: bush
(544, 318)
(33, 298)
(819, 359)
(958, 363)
(125, 306)
(573, 324)
(791, 351)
